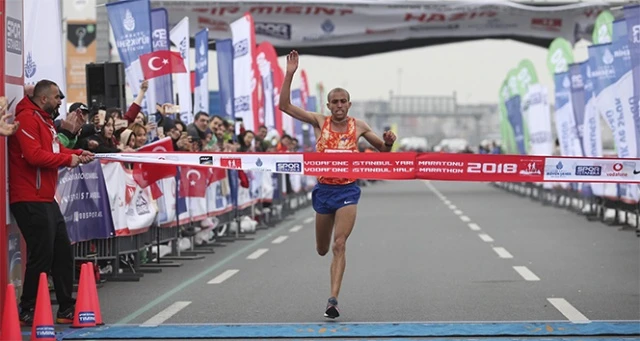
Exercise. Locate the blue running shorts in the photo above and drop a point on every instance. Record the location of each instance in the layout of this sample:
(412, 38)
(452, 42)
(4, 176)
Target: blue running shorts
(327, 199)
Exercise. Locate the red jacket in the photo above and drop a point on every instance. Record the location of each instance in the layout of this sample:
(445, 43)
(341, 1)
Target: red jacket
(33, 165)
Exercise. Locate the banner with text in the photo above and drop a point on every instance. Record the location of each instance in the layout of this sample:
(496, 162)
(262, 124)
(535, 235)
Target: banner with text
(406, 165)
(84, 202)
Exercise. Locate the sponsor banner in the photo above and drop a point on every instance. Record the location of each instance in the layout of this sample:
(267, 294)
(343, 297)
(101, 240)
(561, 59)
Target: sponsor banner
(632, 17)
(302, 24)
(179, 36)
(42, 45)
(201, 91)
(539, 120)
(130, 22)
(224, 53)
(81, 50)
(161, 87)
(405, 166)
(244, 77)
(84, 202)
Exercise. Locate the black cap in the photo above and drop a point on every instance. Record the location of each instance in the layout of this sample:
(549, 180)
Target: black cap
(78, 105)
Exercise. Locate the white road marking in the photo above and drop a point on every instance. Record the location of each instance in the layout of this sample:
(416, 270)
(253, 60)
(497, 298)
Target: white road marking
(453, 207)
(279, 239)
(166, 314)
(568, 310)
(223, 276)
(447, 202)
(502, 252)
(526, 273)
(457, 212)
(465, 218)
(308, 220)
(296, 228)
(474, 227)
(256, 254)
(485, 237)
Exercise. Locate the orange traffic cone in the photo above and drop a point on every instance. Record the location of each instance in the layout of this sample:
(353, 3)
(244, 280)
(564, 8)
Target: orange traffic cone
(95, 300)
(42, 328)
(84, 315)
(10, 330)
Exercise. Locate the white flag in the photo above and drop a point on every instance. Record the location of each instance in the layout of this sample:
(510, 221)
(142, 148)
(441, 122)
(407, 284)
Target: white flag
(43, 45)
(179, 36)
(539, 120)
(243, 48)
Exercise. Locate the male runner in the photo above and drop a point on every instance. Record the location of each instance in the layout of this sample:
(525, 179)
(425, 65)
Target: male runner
(334, 199)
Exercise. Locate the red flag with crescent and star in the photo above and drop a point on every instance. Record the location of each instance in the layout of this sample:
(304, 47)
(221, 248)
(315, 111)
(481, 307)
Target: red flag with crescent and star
(160, 63)
(146, 174)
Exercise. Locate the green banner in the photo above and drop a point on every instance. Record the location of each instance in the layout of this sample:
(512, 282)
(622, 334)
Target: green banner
(560, 56)
(526, 76)
(603, 28)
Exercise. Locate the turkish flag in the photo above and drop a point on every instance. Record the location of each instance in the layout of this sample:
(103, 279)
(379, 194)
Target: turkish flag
(216, 174)
(193, 181)
(145, 174)
(160, 63)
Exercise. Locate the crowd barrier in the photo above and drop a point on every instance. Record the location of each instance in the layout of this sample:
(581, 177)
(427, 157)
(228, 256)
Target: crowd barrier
(610, 203)
(128, 230)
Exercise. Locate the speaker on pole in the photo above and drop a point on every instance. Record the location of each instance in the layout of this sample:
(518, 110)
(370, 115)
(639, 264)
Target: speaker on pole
(105, 85)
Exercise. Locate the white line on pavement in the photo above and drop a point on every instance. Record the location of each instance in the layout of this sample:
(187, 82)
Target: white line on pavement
(465, 218)
(526, 273)
(474, 227)
(256, 254)
(223, 276)
(447, 202)
(502, 252)
(166, 314)
(279, 239)
(457, 212)
(453, 207)
(568, 310)
(485, 237)
(296, 228)
(308, 220)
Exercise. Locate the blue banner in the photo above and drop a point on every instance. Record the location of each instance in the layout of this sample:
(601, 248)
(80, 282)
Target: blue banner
(603, 73)
(632, 16)
(514, 115)
(160, 38)
(201, 102)
(130, 21)
(224, 52)
(578, 98)
(296, 99)
(619, 30)
(312, 106)
(84, 202)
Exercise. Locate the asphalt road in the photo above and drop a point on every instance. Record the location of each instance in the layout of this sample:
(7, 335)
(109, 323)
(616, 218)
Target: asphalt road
(423, 252)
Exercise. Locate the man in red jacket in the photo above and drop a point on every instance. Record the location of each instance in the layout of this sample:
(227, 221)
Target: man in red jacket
(35, 155)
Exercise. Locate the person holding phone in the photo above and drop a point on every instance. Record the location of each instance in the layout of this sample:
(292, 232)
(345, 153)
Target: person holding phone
(334, 199)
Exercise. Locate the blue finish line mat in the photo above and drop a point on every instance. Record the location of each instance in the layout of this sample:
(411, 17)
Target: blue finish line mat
(356, 330)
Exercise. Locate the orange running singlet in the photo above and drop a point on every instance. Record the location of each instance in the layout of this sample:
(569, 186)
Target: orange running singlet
(334, 142)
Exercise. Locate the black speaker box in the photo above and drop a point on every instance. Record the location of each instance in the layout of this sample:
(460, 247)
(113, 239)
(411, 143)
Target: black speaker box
(106, 85)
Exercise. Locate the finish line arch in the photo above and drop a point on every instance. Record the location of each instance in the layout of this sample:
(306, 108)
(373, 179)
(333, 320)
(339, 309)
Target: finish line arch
(355, 28)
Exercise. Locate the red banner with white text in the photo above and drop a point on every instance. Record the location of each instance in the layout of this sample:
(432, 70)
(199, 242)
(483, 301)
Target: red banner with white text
(407, 166)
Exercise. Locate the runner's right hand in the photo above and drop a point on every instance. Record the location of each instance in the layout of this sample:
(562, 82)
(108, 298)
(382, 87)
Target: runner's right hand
(292, 61)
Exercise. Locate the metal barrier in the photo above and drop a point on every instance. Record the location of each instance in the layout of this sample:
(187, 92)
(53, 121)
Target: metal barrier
(593, 208)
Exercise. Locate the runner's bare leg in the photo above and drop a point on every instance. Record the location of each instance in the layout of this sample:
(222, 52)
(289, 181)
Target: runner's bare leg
(324, 228)
(345, 220)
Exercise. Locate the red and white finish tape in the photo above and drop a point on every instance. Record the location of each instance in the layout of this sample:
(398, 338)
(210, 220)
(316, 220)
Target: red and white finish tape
(408, 165)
